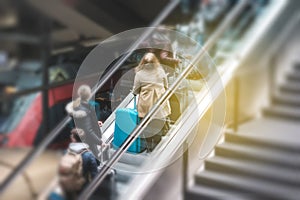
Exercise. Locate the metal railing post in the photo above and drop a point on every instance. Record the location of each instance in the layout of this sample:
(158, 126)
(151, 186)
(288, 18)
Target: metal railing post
(272, 74)
(236, 104)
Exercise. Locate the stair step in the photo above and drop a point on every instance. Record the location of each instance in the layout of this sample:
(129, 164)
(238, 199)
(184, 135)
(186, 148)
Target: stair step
(264, 189)
(297, 66)
(197, 192)
(259, 154)
(261, 142)
(284, 112)
(287, 99)
(290, 87)
(252, 169)
(295, 76)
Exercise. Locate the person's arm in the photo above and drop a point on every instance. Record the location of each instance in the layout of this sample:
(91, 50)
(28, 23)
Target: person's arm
(166, 83)
(164, 77)
(90, 164)
(95, 123)
(136, 85)
(69, 108)
(165, 59)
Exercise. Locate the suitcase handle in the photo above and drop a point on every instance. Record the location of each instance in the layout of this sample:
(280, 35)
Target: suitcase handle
(135, 108)
(134, 102)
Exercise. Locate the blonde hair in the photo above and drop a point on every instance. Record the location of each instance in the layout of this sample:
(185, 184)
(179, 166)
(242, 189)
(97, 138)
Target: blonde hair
(84, 92)
(148, 58)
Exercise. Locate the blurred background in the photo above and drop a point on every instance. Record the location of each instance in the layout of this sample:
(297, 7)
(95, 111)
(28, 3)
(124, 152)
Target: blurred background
(253, 45)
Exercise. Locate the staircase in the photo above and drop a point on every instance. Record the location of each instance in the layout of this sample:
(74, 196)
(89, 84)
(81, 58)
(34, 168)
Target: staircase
(286, 104)
(262, 160)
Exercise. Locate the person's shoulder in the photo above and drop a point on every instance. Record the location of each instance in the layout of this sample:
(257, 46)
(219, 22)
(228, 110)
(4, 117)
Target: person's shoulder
(139, 73)
(88, 159)
(87, 153)
(88, 156)
(161, 69)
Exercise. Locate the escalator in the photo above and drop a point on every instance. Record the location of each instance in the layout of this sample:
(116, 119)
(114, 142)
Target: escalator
(131, 179)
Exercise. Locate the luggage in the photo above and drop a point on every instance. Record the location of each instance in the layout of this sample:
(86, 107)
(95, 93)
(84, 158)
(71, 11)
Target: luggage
(125, 122)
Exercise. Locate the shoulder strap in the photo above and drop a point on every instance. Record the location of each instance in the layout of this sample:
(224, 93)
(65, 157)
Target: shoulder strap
(135, 107)
(83, 151)
(70, 152)
(80, 153)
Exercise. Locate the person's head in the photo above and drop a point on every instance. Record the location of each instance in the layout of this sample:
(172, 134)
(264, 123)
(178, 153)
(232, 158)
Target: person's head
(84, 92)
(148, 58)
(76, 134)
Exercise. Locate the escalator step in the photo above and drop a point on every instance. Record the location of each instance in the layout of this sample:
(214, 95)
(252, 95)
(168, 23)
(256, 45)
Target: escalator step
(125, 171)
(130, 158)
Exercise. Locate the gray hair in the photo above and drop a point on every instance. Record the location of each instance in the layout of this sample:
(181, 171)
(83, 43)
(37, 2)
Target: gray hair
(84, 92)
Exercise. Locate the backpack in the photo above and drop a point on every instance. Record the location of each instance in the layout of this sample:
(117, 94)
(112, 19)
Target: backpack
(70, 171)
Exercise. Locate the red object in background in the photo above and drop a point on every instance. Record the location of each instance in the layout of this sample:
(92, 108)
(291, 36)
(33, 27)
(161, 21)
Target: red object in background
(25, 132)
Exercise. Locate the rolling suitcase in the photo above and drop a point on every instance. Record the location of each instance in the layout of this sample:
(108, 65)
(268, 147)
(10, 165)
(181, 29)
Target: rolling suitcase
(126, 120)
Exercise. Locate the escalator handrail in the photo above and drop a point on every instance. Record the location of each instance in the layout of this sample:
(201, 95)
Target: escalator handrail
(42, 146)
(138, 130)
